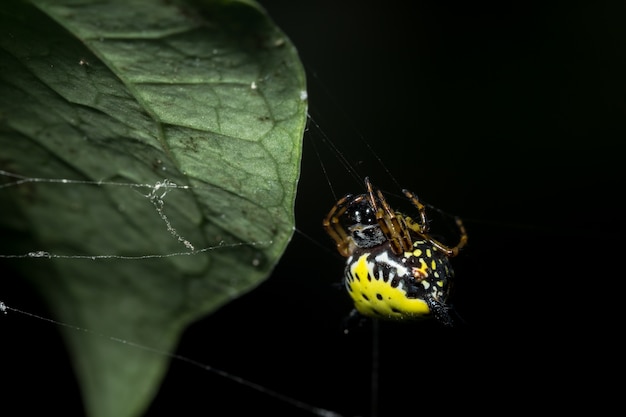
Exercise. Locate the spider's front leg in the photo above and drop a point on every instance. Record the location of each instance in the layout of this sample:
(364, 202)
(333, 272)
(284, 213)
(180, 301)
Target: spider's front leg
(333, 227)
(392, 225)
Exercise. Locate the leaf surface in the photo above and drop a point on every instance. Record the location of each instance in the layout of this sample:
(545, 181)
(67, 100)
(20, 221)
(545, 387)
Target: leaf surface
(176, 128)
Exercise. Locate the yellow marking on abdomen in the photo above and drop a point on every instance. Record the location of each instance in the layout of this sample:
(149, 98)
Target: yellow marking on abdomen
(375, 298)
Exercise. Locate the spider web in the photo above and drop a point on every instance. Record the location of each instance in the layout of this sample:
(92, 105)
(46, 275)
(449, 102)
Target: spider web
(155, 194)
(159, 196)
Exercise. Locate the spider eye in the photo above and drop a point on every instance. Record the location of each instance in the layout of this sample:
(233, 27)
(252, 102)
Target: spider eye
(361, 213)
(360, 221)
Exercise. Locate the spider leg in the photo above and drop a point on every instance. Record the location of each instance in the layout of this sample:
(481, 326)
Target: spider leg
(334, 229)
(352, 321)
(424, 227)
(423, 224)
(393, 227)
(451, 251)
(462, 241)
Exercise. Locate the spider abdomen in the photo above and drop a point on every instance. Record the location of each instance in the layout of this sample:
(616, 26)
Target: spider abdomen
(400, 287)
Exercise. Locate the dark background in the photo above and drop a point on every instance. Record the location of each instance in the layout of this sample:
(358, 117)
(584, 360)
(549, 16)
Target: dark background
(512, 118)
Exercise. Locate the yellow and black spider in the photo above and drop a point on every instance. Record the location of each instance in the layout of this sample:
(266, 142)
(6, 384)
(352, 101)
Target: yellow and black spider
(395, 269)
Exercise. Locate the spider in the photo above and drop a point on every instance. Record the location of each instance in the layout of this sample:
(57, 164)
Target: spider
(394, 269)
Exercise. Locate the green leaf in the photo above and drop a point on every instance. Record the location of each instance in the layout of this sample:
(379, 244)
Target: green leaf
(209, 96)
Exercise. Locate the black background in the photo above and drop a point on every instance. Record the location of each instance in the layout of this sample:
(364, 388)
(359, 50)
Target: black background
(510, 117)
